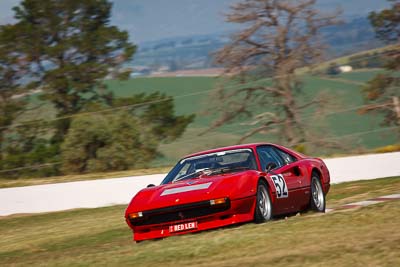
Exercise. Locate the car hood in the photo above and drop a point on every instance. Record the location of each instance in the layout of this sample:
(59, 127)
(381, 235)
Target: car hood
(232, 185)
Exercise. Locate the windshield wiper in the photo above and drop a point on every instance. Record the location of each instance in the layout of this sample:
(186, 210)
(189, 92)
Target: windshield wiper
(228, 169)
(195, 174)
(209, 172)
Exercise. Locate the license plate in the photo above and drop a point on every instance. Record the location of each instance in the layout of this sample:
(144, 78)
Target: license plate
(182, 227)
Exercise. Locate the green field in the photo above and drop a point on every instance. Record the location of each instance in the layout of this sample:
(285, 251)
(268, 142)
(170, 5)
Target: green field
(99, 237)
(340, 122)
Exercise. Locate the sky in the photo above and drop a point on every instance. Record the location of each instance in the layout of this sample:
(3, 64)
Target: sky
(155, 19)
(148, 20)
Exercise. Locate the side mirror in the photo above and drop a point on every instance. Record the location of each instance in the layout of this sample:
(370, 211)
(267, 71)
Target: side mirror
(270, 166)
(150, 185)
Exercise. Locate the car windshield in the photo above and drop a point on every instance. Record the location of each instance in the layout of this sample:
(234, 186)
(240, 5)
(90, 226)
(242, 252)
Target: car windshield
(212, 164)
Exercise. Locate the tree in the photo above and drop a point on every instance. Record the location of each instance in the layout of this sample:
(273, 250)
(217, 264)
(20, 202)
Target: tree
(11, 72)
(69, 48)
(157, 112)
(104, 142)
(127, 138)
(383, 91)
(276, 38)
(386, 23)
(19, 146)
(26, 146)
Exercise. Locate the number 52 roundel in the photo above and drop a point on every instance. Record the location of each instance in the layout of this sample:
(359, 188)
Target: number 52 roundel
(280, 186)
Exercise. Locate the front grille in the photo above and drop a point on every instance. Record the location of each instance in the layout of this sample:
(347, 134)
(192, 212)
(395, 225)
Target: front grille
(180, 212)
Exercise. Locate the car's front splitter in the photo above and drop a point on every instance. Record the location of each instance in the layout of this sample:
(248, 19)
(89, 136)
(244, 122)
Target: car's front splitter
(241, 210)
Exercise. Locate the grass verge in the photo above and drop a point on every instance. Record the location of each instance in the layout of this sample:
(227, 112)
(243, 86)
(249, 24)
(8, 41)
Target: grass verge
(365, 237)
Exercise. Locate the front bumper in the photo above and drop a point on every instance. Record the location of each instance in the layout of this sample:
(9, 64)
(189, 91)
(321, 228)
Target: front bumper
(239, 211)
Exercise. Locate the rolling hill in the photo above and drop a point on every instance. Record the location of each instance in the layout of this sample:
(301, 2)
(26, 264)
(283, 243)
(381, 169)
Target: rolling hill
(341, 122)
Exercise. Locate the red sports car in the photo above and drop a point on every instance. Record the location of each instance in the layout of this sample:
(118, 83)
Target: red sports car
(226, 186)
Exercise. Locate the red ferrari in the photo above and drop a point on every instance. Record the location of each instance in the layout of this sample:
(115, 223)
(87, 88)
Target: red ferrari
(226, 186)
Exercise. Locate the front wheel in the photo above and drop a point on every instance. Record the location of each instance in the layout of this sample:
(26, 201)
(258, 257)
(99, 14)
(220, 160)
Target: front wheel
(317, 201)
(263, 210)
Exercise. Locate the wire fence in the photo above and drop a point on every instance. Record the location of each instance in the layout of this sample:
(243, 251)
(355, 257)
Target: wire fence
(211, 133)
(38, 166)
(175, 97)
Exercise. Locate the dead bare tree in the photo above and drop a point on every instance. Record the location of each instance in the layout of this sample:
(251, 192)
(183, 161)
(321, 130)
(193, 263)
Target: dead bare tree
(382, 93)
(276, 39)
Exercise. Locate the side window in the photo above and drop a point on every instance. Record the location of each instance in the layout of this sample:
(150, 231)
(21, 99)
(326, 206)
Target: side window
(267, 154)
(287, 158)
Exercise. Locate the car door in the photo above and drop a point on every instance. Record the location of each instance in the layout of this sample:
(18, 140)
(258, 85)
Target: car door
(286, 177)
(295, 175)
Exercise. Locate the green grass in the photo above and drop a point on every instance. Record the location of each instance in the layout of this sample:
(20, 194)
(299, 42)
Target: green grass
(100, 237)
(347, 192)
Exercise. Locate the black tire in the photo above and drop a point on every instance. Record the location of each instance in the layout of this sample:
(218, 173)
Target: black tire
(317, 198)
(263, 211)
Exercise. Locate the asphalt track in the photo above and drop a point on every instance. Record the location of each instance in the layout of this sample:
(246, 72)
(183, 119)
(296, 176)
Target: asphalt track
(107, 192)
